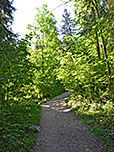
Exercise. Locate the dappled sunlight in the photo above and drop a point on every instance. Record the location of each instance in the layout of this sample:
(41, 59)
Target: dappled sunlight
(58, 105)
(46, 106)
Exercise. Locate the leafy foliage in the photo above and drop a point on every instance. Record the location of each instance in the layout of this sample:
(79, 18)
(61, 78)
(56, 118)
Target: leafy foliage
(98, 116)
(15, 131)
(16, 87)
(35, 69)
(44, 52)
(27, 77)
(6, 18)
(89, 71)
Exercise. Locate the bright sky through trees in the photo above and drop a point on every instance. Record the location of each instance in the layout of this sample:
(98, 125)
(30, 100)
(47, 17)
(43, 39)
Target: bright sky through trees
(26, 11)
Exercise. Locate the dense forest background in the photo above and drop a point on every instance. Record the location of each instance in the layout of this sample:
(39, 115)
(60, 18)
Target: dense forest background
(43, 65)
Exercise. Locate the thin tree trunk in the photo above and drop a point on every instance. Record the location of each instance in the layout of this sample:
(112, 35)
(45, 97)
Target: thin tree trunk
(103, 44)
(97, 45)
(105, 53)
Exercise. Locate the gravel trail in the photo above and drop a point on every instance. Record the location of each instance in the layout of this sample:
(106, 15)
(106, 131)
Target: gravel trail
(62, 131)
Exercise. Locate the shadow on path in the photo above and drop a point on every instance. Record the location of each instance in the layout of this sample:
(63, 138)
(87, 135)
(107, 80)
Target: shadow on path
(62, 131)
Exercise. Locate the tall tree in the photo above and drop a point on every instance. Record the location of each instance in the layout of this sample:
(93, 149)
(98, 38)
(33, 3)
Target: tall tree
(94, 29)
(44, 54)
(99, 9)
(94, 24)
(6, 18)
(66, 30)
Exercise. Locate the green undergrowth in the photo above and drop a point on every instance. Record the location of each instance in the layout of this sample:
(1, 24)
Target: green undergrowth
(99, 117)
(16, 134)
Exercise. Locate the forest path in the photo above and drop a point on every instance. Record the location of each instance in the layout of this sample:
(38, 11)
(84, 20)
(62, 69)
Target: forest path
(62, 131)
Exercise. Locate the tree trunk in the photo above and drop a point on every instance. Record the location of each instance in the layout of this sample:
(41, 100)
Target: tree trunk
(105, 54)
(97, 45)
(103, 44)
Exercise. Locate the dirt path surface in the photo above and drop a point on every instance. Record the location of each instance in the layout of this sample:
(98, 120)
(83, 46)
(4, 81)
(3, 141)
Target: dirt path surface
(62, 131)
